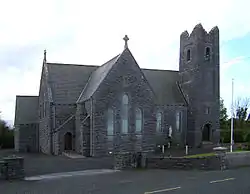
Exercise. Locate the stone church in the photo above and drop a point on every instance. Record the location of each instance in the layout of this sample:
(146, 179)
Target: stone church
(118, 106)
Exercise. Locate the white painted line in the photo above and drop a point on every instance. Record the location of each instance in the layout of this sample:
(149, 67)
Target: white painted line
(162, 190)
(223, 180)
(125, 181)
(70, 174)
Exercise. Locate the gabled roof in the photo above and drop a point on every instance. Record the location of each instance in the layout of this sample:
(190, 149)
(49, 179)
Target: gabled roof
(76, 83)
(164, 84)
(68, 80)
(26, 110)
(96, 79)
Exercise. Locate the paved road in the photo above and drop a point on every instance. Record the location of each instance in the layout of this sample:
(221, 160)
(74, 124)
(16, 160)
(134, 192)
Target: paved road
(140, 182)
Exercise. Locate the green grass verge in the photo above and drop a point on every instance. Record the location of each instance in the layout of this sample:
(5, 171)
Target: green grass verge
(241, 150)
(210, 154)
(200, 155)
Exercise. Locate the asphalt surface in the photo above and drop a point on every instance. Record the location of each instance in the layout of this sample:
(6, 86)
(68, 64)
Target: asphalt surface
(38, 164)
(139, 182)
(42, 164)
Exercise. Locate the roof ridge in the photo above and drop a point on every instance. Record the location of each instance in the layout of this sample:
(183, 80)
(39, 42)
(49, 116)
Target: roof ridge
(160, 69)
(80, 96)
(110, 60)
(98, 66)
(26, 96)
(91, 76)
(83, 64)
(72, 64)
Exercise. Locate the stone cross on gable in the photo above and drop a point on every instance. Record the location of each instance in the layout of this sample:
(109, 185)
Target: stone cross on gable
(126, 39)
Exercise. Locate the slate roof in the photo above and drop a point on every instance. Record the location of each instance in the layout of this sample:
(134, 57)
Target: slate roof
(75, 83)
(68, 80)
(26, 110)
(96, 79)
(164, 84)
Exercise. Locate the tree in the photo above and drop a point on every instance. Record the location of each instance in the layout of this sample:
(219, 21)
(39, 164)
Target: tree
(223, 114)
(225, 132)
(6, 135)
(3, 128)
(241, 123)
(241, 108)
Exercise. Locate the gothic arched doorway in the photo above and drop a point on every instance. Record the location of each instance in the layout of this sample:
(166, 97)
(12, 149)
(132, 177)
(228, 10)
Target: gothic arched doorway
(206, 132)
(68, 141)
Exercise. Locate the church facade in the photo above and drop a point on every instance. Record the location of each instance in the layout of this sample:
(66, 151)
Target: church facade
(118, 106)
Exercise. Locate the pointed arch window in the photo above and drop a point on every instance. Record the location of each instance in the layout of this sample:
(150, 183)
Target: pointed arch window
(207, 52)
(138, 120)
(178, 120)
(158, 122)
(110, 122)
(125, 102)
(188, 55)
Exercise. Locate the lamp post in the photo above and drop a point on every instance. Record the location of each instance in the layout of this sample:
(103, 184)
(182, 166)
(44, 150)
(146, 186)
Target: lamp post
(232, 119)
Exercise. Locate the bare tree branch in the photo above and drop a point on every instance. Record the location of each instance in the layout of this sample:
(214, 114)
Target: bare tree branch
(240, 107)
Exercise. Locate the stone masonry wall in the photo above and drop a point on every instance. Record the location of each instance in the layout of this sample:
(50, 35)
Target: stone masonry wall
(219, 161)
(181, 163)
(68, 127)
(199, 78)
(12, 168)
(169, 119)
(63, 112)
(129, 160)
(82, 128)
(124, 78)
(16, 137)
(78, 129)
(44, 117)
(237, 159)
(56, 143)
(28, 138)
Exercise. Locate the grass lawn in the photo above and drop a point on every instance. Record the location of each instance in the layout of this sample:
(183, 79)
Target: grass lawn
(238, 150)
(241, 150)
(210, 154)
(200, 155)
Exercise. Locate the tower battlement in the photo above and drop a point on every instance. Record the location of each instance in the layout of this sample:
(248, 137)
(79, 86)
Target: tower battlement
(199, 32)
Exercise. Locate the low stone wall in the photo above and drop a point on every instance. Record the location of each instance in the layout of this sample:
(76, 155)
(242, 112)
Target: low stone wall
(199, 163)
(12, 168)
(238, 159)
(128, 160)
(122, 160)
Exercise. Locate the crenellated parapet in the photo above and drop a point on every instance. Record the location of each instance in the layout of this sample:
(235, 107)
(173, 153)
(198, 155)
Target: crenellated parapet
(199, 32)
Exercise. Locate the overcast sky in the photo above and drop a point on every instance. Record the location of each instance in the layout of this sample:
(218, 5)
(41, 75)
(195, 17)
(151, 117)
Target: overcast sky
(91, 32)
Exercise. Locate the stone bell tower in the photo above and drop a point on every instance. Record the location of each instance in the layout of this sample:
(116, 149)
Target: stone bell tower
(199, 78)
